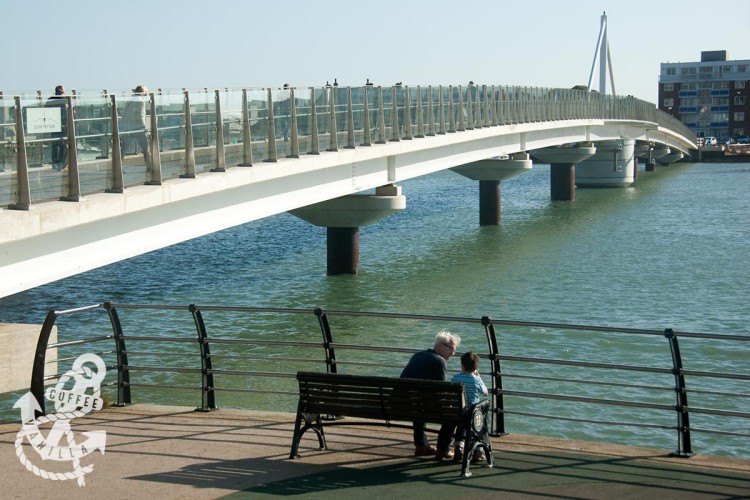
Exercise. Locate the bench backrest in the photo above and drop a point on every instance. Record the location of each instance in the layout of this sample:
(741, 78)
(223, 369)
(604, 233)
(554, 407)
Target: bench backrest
(381, 397)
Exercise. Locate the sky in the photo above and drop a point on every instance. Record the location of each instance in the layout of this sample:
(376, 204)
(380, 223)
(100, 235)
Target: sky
(94, 45)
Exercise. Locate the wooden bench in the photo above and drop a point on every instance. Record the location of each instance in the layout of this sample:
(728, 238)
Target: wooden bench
(388, 399)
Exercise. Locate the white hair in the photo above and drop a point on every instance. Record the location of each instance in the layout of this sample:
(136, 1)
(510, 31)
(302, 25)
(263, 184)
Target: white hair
(446, 337)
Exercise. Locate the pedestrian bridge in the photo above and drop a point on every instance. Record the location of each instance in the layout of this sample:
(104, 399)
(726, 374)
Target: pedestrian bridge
(332, 155)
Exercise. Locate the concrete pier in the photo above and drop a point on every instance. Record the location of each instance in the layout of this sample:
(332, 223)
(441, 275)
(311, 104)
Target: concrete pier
(344, 216)
(490, 173)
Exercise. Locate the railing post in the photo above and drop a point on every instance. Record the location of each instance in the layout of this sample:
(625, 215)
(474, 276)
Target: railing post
(74, 179)
(103, 142)
(314, 139)
(333, 140)
(123, 373)
(208, 397)
(407, 115)
(189, 148)
(40, 359)
(441, 110)
(461, 121)
(496, 377)
(294, 135)
(381, 117)
(420, 112)
(478, 118)
(118, 180)
(220, 158)
(325, 329)
(247, 140)
(395, 135)
(155, 167)
(367, 137)
(23, 202)
(684, 448)
(469, 107)
(271, 153)
(451, 111)
(349, 120)
(493, 107)
(431, 112)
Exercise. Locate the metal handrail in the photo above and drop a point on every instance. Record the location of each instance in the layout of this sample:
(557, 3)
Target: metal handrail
(210, 363)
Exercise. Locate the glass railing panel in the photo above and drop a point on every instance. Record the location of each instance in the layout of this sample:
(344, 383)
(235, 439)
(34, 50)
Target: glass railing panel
(282, 120)
(93, 131)
(45, 131)
(257, 110)
(231, 121)
(358, 113)
(388, 96)
(341, 109)
(170, 122)
(8, 153)
(302, 102)
(203, 122)
(322, 96)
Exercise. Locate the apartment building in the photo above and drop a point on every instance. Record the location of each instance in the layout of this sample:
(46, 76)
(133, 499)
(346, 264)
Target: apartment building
(710, 96)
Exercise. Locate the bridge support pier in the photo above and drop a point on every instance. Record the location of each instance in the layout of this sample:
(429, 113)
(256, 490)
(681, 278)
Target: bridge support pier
(489, 203)
(562, 172)
(344, 216)
(342, 246)
(489, 173)
(562, 181)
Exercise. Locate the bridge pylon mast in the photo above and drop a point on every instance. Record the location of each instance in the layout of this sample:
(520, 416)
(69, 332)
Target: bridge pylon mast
(605, 60)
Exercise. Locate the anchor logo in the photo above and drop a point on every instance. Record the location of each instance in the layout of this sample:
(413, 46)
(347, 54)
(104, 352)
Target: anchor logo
(69, 404)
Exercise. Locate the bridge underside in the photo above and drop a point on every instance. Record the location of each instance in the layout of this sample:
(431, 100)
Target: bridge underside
(59, 239)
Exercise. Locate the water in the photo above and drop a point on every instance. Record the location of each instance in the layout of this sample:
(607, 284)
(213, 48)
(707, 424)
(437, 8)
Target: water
(673, 251)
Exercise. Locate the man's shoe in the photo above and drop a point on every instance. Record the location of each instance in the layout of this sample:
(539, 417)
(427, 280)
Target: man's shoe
(458, 453)
(424, 450)
(444, 454)
(478, 456)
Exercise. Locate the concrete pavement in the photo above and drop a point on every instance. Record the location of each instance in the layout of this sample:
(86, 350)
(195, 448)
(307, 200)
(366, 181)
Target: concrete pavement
(174, 452)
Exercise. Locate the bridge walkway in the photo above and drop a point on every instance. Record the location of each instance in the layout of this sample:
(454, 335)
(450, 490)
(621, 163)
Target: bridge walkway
(174, 452)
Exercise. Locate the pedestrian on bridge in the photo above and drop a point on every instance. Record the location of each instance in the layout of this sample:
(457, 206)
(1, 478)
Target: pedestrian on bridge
(59, 143)
(133, 126)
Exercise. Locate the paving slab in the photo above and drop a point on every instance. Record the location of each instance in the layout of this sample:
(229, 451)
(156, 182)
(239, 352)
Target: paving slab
(176, 452)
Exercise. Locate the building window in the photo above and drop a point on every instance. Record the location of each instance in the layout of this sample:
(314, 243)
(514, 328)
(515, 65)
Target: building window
(739, 84)
(742, 68)
(739, 116)
(739, 99)
(669, 87)
(689, 86)
(671, 71)
(739, 131)
(668, 103)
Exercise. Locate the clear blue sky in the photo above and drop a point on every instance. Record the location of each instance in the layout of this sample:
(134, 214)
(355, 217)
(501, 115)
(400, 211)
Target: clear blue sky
(87, 44)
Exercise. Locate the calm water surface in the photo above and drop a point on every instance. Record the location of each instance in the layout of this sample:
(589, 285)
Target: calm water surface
(673, 251)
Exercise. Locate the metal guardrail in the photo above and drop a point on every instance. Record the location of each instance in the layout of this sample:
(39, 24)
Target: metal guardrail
(190, 132)
(253, 350)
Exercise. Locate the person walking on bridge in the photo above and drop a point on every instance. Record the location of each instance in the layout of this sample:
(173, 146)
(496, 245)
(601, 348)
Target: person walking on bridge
(133, 125)
(60, 141)
(430, 364)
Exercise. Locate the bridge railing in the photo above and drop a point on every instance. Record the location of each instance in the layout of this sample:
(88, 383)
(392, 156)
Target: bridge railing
(87, 143)
(560, 374)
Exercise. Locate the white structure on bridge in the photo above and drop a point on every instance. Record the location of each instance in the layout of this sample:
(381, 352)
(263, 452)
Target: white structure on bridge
(333, 156)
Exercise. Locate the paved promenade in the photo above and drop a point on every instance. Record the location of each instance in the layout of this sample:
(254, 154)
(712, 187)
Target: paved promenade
(174, 452)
